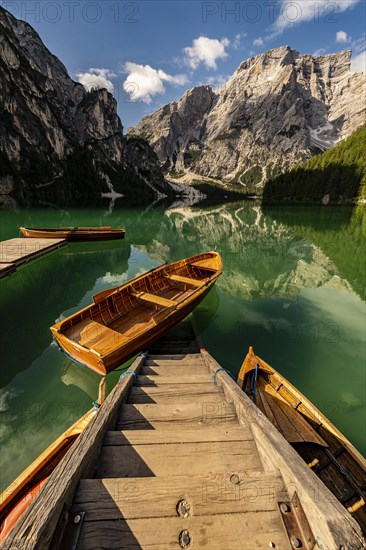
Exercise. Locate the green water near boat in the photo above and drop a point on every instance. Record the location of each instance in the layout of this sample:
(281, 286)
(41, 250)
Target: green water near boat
(293, 287)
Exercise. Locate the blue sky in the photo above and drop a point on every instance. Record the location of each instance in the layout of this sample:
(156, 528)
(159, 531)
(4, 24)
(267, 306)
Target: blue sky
(149, 52)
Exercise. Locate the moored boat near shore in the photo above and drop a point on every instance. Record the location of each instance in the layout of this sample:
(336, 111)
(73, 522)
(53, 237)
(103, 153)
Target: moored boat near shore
(74, 233)
(16, 498)
(126, 319)
(321, 445)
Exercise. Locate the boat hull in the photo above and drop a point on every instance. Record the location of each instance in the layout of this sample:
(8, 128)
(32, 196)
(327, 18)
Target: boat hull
(319, 443)
(41, 467)
(126, 320)
(74, 235)
(104, 365)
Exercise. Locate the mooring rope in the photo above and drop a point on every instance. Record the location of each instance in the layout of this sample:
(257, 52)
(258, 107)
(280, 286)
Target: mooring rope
(217, 371)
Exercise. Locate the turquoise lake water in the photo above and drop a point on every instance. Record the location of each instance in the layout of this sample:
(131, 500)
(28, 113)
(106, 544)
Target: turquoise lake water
(293, 286)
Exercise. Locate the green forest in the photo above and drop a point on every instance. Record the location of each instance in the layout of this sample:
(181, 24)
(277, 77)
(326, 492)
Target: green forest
(339, 172)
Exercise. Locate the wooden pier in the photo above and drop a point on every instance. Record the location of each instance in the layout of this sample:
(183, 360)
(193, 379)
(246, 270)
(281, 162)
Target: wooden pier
(179, 457)
(15, 252)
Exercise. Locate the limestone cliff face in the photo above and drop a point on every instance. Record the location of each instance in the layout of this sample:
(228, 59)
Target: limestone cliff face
(58, 141)
(278, 109)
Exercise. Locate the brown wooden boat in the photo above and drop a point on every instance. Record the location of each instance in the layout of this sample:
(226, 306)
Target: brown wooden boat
(126, 319)
(321, 445)
(73, 233)
(20, 494)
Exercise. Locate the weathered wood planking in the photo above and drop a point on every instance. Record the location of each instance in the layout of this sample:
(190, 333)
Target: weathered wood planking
(168, 370)
(133, 498)
(206, 472)
(246, 531)
(19, 251)
(185, 415)
(154, 380)
(171, 435)
(179, 393)
(176, 459)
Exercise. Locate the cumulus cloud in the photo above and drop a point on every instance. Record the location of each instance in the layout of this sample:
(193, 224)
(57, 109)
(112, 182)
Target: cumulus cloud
(342, 36)
(144, 82)
(358, 63)
(292, 13)
(97, 78)
(258, 42)
(206, 51)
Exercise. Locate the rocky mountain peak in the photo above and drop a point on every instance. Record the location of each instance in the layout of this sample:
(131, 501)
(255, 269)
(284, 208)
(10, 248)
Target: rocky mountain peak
(58, 141)
(278, 109)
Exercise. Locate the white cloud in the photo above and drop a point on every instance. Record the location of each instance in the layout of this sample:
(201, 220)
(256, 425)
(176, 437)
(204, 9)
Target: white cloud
(342, 36)
(292, 13)
(97, 78)
(358, 63)
(321, 51)
(258, 42)
(144, 82)
(236, 43)
(207, 51)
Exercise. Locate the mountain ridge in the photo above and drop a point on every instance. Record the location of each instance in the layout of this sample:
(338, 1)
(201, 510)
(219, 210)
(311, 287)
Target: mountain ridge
(278, 108)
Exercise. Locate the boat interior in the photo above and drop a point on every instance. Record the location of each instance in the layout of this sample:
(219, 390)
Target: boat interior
(321, 449)
(126, 312)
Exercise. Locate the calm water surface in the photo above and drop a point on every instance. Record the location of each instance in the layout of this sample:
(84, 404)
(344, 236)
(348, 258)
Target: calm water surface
(293, 287)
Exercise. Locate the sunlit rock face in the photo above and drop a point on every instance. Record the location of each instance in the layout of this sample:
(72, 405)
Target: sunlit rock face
(57, 140)
(261, 256)
(277, 109)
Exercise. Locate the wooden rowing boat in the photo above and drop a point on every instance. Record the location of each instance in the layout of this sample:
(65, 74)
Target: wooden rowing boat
(20, 494)
(321, 445)
(73, 233)
(126, 319)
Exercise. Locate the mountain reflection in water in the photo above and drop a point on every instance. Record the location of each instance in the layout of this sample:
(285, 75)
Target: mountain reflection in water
(293, 286)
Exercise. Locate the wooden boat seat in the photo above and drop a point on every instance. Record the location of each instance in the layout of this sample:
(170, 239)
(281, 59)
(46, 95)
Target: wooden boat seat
(204, 264)
(97, 336)
(185, 280)
(152, 298)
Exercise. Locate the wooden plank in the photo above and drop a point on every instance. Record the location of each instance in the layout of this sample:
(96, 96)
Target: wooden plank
(293, 426)
(144, 417)
(19, 251)
(173, 393)
(251, 531)
(36, 527)
(111, 499)
(169, 371)
(171, 435)
(186, 357)
(186, 379)
(326, 515)
(185, 280)
(154, 299)
(177, 459)
(174, 363)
